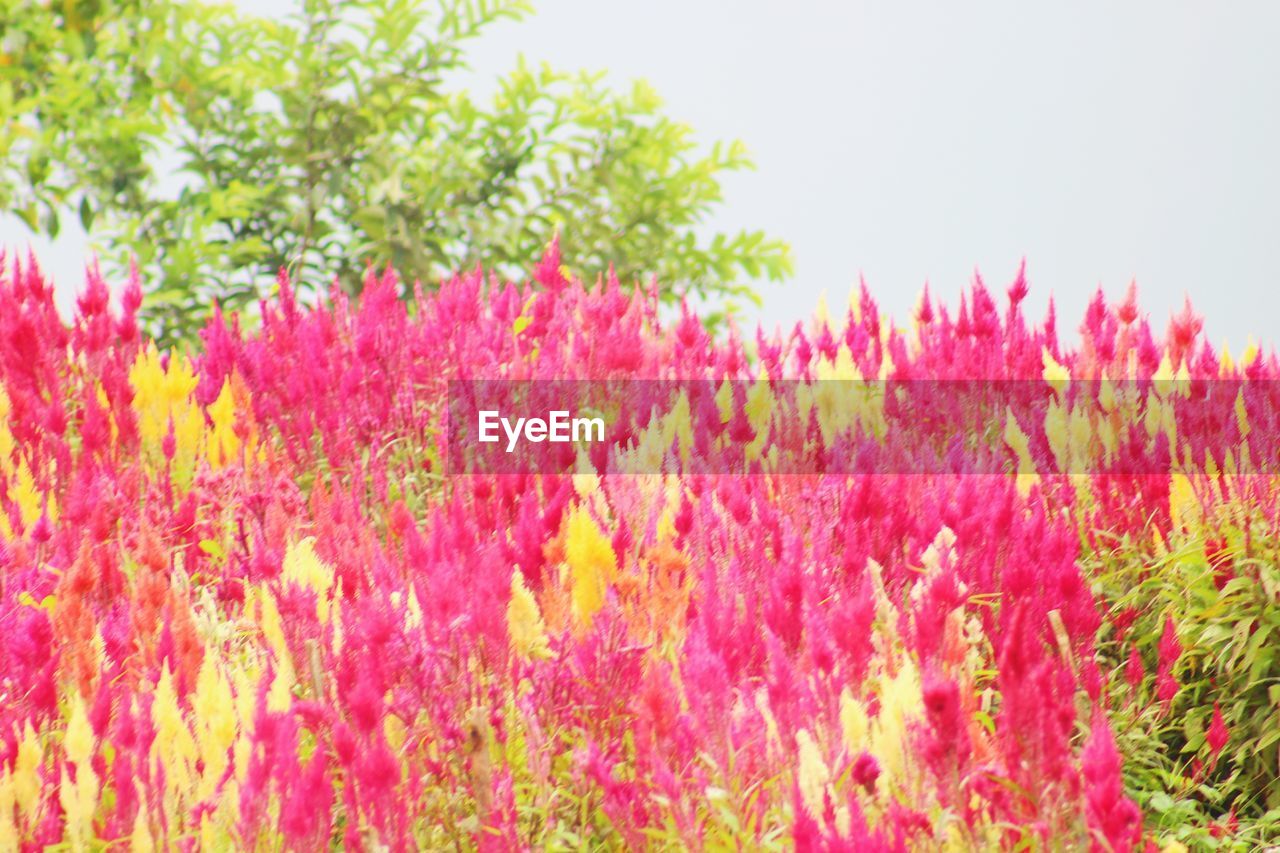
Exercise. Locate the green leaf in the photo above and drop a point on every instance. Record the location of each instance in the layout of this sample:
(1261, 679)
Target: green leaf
(86, 214)
(212, 548)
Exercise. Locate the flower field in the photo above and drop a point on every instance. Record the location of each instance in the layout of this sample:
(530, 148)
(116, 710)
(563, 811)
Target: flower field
(246, 604)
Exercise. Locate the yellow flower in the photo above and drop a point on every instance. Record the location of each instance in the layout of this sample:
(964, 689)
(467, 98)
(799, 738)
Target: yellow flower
(280, 697)
(677, 426)
(78, 742)
(304, 569)
(1056, 431)
(1055, 374)
(822, 314)
(208, 841)
(842, 398)
(174, 747)
(900, 703)
(79, 799)
(1107, 396)
(6, 437)
(812, 776)
(1183, 505)
(140, 839)
(592, 563)
(413, 617)
(586, 481)
(772, 736)
(8, 823)
(215, 716)
(670, 491)
(30, 500)
(1018, 442)
(1016, 438)
(336, 618)
(162, 397)
(724, 401)
(224, 444)
(1242, 415)
(524, 621)
(26, 772)
(854, 722)
(1250, 353)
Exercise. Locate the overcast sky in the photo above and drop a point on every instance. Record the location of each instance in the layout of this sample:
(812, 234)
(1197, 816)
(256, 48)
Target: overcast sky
(910, 142)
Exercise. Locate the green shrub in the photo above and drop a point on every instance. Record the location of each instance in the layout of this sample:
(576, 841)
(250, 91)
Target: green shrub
(338, 138)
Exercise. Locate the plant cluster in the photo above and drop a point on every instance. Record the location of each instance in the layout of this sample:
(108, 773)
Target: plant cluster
(242, 605)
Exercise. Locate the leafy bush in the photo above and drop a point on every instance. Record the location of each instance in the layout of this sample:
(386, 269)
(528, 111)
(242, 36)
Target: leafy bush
(340, 137)
(1206, 758)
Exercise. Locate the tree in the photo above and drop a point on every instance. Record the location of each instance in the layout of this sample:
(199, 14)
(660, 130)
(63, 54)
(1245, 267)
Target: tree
(332, 140)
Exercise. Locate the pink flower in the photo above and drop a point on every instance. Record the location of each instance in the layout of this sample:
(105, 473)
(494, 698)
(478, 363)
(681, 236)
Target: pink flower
(866, 770)
(1170, 650)
(1218, 734)
(1134, 671)
(1111, 814)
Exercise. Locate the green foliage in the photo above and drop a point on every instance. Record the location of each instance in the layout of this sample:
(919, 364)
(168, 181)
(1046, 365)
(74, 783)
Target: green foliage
(77, 117)
(1227, 614)
(332, 140)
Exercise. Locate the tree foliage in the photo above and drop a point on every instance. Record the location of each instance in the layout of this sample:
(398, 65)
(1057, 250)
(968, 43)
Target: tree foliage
(339, 137)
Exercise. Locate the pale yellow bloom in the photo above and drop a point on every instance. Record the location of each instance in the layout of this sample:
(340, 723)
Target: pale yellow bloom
(79, 799)
(854, 722)
(1250, 353)
(772, 735)
(26, 772)
(586, 482)
(8, 820)
(1054, 373)
(78, 742)
(677, 426)
(174, 748)
(303, 568)
(1018, 442)
(900, 702)
(140, 839)
(812, 776)
(280, 696)
(216, 725)
(524, 621)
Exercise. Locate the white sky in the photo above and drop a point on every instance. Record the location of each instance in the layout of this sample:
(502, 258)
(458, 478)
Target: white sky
(912, 142)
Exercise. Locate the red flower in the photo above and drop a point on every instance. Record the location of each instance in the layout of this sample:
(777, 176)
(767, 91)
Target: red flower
(1170, 651)
(1218, 734)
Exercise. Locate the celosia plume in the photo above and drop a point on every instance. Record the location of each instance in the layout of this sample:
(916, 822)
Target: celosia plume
(246, 600)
